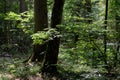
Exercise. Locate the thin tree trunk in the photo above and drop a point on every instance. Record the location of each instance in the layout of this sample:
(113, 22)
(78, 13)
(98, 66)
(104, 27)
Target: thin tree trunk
(105, 36)
(50, 64)
(23, 6)
(5, 24)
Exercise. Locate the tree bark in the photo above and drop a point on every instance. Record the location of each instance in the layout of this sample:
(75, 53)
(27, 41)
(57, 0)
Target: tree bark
(23, 6)
(50, 64)
(105, 37)
(41, 22)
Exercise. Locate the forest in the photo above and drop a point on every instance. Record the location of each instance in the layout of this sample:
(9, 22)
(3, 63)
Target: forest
(59, 39)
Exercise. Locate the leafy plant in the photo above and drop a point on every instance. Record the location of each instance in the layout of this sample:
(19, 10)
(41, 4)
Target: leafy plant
(42, 37)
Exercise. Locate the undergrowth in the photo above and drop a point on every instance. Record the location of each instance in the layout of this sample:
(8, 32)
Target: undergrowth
(68, 69)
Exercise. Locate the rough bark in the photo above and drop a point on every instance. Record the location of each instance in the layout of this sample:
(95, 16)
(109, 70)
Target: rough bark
(50, 64)
(41, 22)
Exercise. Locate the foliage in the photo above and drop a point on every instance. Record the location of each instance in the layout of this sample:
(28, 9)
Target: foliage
(82, 45)
(42, 37)
(88, 48)
(23, 18)
(19, 28)
(23, 70)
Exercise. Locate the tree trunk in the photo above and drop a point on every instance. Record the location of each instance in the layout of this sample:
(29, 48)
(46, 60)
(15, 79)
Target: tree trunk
(105, 37)
(5, 41)
(41, 22)
(50, 64)
(23, 6)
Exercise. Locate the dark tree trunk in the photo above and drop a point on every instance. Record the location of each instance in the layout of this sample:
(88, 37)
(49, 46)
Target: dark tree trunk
(105, 37)
(5, 40)
(23, 6)
(41, 22)
(50, 64)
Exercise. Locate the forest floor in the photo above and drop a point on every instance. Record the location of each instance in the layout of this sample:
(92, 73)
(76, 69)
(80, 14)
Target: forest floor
(12, 68)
